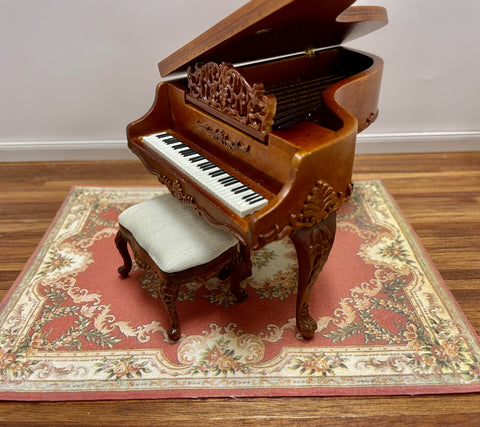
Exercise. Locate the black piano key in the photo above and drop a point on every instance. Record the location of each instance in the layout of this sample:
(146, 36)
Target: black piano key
(187, 153)
(171, 140)
(230, 180)
(218, 173)
(208, 167)
(201, 165)
(241, 189)
(197, 159)
(228, 184)
(178, 146)
(226, 179)
(248, 197)
(255, 199)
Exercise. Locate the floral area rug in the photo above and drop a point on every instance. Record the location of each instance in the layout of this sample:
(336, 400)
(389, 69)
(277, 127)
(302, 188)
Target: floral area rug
(72, 328)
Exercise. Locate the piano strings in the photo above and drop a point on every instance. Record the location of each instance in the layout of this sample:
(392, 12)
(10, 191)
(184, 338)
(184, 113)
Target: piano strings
(299, 100)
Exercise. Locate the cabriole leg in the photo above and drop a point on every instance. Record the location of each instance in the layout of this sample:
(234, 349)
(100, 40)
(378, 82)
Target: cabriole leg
(169, 294)
(122, 247)
(313, 246)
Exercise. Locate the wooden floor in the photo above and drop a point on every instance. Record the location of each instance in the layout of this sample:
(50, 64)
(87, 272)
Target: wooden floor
(438, 193)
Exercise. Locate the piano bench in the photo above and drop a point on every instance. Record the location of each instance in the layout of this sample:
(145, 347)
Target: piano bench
(179, 246)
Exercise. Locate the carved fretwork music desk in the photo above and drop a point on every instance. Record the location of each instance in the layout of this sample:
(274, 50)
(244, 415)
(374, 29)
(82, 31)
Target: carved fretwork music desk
(265, 147)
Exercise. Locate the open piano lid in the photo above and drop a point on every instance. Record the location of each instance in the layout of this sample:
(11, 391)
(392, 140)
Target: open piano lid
(264, 29)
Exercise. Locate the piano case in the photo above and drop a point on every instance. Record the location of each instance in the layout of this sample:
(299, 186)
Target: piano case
(256, 125)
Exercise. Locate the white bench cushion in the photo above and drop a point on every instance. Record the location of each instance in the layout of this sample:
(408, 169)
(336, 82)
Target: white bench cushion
(173, 234)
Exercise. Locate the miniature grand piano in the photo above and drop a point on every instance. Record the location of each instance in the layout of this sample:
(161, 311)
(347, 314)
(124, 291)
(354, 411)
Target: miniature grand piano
(265, 147)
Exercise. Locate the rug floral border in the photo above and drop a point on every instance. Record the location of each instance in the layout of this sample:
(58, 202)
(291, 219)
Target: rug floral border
(438, 350)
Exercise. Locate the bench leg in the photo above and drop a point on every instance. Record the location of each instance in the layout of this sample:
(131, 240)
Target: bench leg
(121, 244)
(169, 294)
(241, 268)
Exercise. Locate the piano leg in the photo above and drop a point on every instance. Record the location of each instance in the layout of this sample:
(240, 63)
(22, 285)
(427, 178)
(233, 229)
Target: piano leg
(313, 246)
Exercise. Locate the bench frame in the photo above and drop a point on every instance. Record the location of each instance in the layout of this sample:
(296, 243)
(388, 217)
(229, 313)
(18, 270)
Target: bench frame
(234, 263)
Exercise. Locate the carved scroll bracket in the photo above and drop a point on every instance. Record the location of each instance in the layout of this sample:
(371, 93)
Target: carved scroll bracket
(177, 190)
(319, 203)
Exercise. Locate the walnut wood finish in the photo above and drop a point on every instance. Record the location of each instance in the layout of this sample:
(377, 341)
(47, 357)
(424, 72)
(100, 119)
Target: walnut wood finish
(313, 245)
(439, 195)
(234, 263)
(270, 28)
(288, 168)
(226, 115)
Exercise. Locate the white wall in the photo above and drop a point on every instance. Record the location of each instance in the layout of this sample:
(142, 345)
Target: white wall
(430, 97)
(73, 74)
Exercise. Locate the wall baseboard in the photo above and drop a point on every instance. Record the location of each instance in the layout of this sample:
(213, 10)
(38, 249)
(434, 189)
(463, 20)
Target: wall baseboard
(47, 151)
(418, 142)
(385, 143)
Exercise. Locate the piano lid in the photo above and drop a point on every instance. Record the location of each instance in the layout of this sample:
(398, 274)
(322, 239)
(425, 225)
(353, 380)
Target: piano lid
(269, 28)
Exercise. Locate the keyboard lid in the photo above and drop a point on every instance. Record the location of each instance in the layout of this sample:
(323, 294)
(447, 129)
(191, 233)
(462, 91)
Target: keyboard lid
(264, 29)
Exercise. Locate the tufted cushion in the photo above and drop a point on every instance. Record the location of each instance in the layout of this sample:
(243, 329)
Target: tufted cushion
(174, 236)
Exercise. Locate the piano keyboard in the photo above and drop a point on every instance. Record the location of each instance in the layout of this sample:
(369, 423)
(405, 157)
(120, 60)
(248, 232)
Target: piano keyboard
(229, 190)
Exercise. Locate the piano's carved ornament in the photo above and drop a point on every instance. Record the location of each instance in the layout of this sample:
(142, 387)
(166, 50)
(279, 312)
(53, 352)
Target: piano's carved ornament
(319, 203)
(224, 89)
(271, 235)
(177, 190)
(221, 136)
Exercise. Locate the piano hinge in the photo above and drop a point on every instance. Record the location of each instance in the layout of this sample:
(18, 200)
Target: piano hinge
(310, 51)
